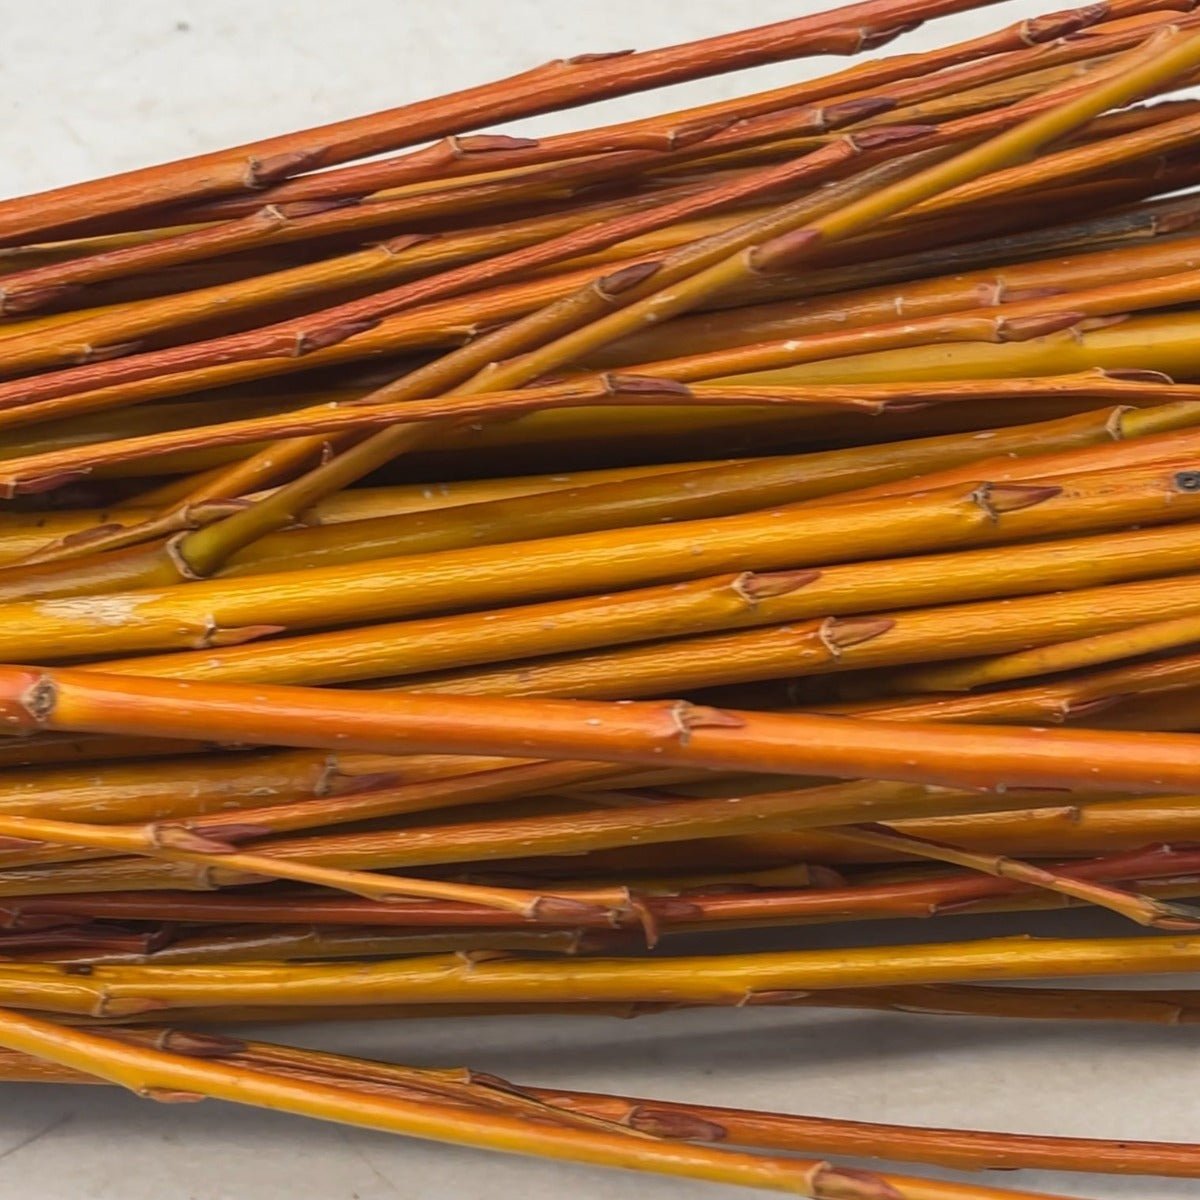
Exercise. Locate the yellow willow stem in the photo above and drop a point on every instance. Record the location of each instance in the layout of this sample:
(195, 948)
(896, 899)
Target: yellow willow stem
(74, 534)
(642, 500)
(609, 828)
(694, 979)
(1165, 342)
(1157, 1007)
(1152, 637)
(27, 472)
(1076, 697)
(1144, 910)
(819, 646)
(159, 1074)
(988, 284)
(1067, 832)
(177, 845)
(312, 944)
(736, 601)
(227, 612)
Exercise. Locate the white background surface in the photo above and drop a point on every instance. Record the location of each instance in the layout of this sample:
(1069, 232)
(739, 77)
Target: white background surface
(92, 86)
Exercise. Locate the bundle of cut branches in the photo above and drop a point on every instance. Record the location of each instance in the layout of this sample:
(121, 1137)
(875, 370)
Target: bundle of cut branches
(441, 565)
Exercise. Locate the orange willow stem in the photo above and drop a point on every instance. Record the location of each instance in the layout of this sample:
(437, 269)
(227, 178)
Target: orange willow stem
(313, 944)
(990, 56)
(153, 790)
(1156, 341)
(600, 828)
(287, 223)
(933, 73)
(445, 324)
(452, 791)
(820, 348)
(598, 294)
(64, 339)
(316, 331)
(31, 473)
(1143, 222)
(378, 798)
(23, 533)
(658, 734)
(1138, 443)
(438, 324)
(557, 85)
(284, 220)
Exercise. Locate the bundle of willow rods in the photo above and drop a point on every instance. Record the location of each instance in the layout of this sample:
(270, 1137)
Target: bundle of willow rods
(446, 564)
